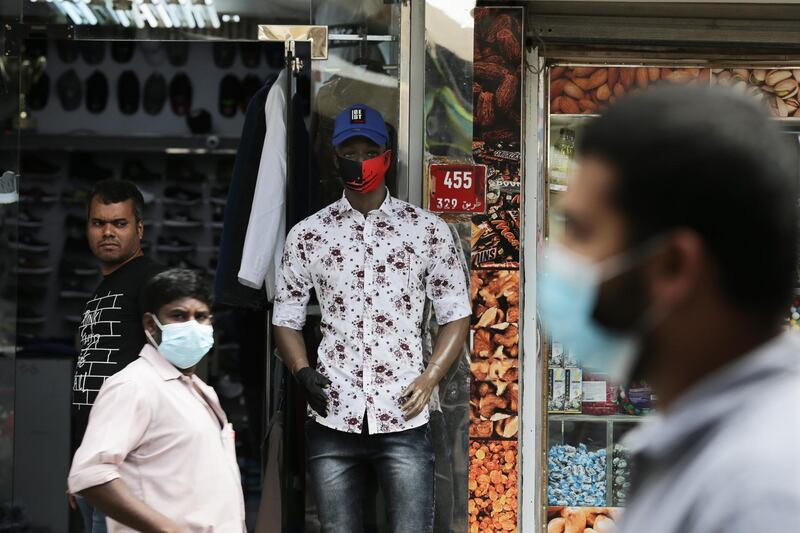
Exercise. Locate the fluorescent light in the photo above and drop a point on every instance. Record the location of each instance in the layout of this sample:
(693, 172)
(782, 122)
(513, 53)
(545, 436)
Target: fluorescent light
(161, 10)
(186, 6)
(72, 12)
(211, 13)
(149, 15)
(87, 13)
(199, 15)
(175, 14)
(138, 17)
(122, 16)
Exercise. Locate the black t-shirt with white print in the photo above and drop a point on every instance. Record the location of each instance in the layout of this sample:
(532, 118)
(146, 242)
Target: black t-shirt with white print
(111, 335)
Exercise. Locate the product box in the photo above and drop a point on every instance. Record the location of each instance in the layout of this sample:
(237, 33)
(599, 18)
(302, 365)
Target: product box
(555, 356)
(574, 393)
(557, 390)
(600, 395)
(569, 359)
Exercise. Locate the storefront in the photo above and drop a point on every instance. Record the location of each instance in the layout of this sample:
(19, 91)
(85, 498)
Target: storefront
(484, 105)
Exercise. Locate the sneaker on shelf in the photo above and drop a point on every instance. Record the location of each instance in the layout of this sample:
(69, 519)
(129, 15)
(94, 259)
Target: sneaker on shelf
(147, 196)
(224, 171)
(212, 266)
(173, 243)
(34, 166)
(73, 287)
(72, 319)
(77, 246)
(135, 171)
(78, 196)
(177, 195)
(36, 195)
(219, 195)
(82, 166)
(183, 262)
(228, 388)
(217, 216)
(75, 226)
(77, 267)
(29, 316)
(28, 243)
(26, 219)
(27, 292)
(32, 267)
(180, 169)
(181, 219)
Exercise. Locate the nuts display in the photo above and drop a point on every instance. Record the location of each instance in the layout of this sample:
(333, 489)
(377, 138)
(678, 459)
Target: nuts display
(492, 503)
(587, 90)
(582, 519)
(494, 398)
(621, 468)
(497, 69)
(776, 88)
(495, 260)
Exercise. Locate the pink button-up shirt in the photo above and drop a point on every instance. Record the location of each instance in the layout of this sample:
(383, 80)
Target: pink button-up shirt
(172, 448)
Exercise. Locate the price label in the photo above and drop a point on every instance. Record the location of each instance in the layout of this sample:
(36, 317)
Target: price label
(457, 189)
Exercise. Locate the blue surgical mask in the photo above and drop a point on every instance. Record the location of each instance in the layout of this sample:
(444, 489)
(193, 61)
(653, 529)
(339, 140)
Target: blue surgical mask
(568, 289)
(184, 344)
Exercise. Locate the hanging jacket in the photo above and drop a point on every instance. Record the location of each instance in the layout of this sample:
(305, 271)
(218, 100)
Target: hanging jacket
(227, 288)
(263, 245)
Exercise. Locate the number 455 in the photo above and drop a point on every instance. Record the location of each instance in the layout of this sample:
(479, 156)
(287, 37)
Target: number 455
(458, 179)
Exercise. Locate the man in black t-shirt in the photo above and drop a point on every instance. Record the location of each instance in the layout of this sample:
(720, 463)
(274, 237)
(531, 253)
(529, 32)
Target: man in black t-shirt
(111, 331)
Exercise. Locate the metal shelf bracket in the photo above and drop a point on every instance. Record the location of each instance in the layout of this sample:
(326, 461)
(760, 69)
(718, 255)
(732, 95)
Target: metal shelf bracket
(316, 35)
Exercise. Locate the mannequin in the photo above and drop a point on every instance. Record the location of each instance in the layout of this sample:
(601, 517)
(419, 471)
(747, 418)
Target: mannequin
(372, 260)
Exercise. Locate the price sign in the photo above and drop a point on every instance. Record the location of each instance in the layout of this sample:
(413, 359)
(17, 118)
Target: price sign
(457, 189)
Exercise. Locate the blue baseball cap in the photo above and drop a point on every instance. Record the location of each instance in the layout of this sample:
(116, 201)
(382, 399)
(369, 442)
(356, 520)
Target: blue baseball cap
(360, 120)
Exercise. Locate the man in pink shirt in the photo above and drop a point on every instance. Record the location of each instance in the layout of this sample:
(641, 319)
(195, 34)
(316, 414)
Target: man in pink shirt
(158, 453)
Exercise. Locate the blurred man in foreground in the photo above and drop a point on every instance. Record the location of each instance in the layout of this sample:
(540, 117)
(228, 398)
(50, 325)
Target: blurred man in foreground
(677, 265)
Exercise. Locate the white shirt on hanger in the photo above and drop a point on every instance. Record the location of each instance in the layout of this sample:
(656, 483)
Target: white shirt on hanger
(266, 229)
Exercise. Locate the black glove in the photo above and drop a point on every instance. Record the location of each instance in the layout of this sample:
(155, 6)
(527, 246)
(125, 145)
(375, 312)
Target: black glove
(314, 382)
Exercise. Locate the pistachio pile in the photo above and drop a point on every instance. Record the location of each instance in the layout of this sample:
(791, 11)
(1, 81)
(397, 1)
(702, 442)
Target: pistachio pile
(778, 88)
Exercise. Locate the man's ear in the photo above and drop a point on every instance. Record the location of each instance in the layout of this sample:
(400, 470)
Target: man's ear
(149, 324)
(140, 229)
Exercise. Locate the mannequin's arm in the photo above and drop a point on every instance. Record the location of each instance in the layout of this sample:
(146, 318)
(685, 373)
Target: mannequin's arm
(291, 348)
(447, 349)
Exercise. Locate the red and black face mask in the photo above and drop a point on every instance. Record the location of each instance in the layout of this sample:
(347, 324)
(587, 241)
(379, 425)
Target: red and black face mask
(365, 176)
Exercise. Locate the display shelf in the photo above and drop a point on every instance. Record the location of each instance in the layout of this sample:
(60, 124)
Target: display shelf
(177, 144)
(566, 417)
(563, 117)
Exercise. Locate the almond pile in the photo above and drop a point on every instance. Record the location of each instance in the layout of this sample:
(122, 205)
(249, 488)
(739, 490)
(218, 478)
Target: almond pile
(492, 502)
(587, 90)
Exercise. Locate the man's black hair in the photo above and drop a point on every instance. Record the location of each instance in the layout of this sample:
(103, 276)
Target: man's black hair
(709, 160)
(115, 191)
(174, 284)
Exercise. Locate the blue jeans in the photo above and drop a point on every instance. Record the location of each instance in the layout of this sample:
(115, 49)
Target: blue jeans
(93, 520)
(404, 466)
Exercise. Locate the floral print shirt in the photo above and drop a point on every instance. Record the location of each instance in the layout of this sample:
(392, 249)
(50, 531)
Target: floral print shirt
(371, 275)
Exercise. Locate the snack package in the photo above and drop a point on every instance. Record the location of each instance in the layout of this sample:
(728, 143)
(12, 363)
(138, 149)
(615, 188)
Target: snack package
(555, 355)
(557, 390)
(600, 396)
(574, 393)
